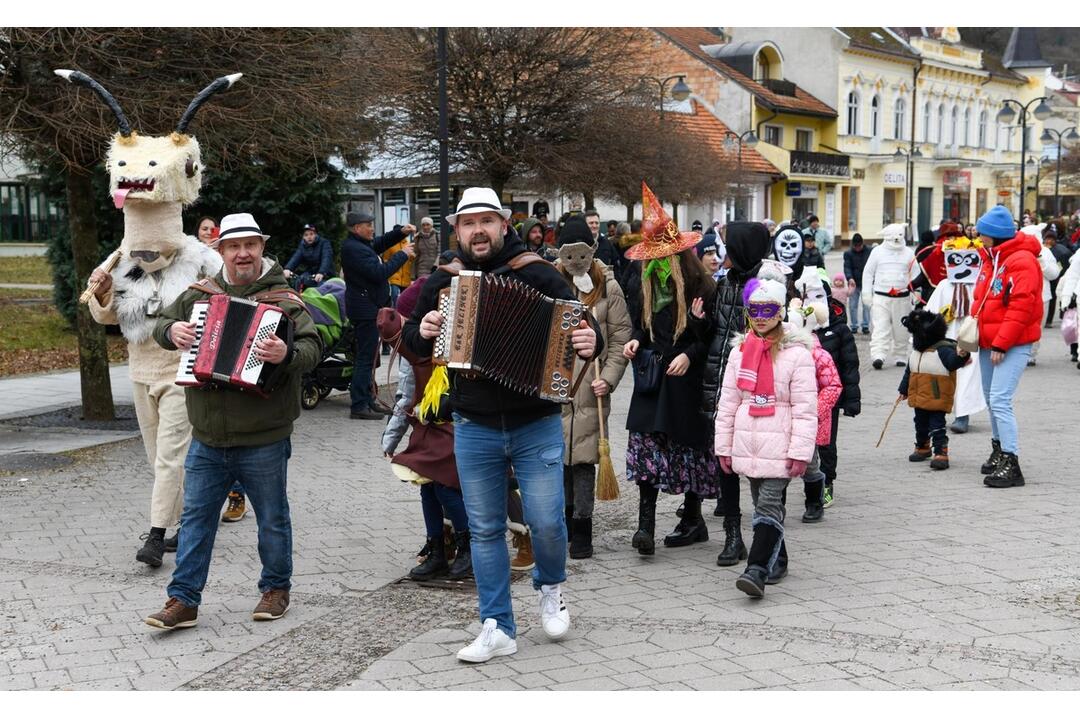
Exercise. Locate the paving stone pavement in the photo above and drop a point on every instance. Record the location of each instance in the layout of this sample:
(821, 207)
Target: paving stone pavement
(917, 579)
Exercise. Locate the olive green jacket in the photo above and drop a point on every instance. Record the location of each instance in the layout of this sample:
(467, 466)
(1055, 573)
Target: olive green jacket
(225, 416)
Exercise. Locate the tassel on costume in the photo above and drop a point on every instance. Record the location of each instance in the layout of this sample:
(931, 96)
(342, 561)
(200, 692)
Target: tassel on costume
(437, 386)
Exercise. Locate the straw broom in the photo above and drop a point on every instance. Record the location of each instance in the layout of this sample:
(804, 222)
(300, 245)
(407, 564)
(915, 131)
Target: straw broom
(607, 487)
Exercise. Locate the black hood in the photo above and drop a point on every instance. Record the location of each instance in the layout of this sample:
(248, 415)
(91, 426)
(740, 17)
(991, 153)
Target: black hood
(747, 244)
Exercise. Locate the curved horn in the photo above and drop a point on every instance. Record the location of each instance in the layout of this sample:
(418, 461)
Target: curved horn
(78, 78)
(222, 83)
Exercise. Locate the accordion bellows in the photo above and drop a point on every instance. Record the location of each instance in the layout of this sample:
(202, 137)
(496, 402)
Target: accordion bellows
(510, 333)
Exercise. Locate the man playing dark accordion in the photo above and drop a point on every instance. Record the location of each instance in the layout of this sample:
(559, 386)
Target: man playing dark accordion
(497, 428)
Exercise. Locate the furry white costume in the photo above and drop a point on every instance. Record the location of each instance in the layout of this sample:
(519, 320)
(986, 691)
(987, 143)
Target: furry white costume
(886, 284)
(151, 180)
(952, 298)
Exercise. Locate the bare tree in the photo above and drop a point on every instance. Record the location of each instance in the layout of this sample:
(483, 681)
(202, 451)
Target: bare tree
(302, 99)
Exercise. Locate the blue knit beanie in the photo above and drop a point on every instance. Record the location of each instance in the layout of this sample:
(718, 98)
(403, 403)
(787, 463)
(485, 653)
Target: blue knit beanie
(997, 223)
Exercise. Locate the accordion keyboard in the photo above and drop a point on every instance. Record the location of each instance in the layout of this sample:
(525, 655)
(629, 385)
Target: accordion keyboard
(268, 324)
(185, 372)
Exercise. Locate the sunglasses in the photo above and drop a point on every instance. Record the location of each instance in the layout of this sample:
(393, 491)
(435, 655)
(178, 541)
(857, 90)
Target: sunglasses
(762, 311)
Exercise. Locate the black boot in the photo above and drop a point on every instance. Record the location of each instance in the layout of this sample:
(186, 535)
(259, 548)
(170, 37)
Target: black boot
(779, 571)
(752, 581)
(153, 549)
(462, 566)
(581, 542)
(815, 509)
(643, 538)
(990, 465)
(1007, 473)
(734, 548)
(172, 543)
(691, 527)
(434, 564)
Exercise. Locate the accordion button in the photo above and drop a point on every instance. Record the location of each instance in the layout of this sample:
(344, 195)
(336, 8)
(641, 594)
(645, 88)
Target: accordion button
(566, 316)
(566, 326)
(565, 383)
(557, 375)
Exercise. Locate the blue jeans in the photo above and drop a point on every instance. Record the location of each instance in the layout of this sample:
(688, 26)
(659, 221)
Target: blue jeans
(853, 307)
(999, 385)
(439, 501)
(209, 474)
(367, 344)
(484, 458)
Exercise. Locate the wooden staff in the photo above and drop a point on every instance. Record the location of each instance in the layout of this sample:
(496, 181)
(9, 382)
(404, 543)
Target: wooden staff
(108, 266)
(888, 420)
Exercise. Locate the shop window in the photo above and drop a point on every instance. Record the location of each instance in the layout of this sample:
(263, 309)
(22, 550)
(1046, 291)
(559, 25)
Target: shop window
(980, 202)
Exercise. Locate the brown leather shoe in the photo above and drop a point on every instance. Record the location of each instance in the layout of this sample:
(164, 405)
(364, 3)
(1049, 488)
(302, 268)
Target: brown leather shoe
(524, 558)
(273, 605)
(174, 615)
(237, 508)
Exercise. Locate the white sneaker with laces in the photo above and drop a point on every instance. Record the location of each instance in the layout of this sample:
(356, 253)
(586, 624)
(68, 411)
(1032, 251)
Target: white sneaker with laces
(553, 613)
(491, 642)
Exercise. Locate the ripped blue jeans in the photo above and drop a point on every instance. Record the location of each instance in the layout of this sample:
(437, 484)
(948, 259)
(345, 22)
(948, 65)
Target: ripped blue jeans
(484, 458)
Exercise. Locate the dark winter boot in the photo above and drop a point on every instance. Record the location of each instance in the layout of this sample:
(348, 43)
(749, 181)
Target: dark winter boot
(691, 527)
(941, 460)
(734, 548)
(815, 509)
(434, 564)
(462, 565)
(922, 452)
(643, 538)
(779, 571)
(581, 542)
(153, 549)
(752, 581)
(991, 464)
(1007, 473)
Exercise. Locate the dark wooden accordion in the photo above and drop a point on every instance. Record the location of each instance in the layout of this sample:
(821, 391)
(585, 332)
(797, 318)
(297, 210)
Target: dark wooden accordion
(226, 330)
(509, 332)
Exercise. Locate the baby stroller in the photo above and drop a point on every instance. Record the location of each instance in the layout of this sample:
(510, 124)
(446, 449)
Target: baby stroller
(326, 303)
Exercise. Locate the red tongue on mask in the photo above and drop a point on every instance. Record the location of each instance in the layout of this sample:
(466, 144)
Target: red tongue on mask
(119, 196)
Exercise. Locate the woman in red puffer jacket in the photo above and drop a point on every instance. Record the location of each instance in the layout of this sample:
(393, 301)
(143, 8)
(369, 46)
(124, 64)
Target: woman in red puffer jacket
(1008, 304)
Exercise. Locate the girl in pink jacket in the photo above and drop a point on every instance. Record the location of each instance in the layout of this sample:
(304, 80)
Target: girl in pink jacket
(766, 419)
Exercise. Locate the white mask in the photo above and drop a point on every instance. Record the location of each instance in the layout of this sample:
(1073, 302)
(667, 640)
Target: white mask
(788, 245)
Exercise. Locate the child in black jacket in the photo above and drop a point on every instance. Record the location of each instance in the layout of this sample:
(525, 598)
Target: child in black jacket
(838, 340)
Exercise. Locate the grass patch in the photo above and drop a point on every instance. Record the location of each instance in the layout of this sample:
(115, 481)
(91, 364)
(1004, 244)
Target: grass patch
(17, 294)
(32, 270)
(35, 338)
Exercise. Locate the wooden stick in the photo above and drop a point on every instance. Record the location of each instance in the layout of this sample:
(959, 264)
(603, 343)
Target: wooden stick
(599, 398)
(108, 266)
(888, 420)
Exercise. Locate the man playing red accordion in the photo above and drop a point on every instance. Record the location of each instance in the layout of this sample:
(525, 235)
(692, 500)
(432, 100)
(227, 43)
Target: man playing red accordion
(238, 434)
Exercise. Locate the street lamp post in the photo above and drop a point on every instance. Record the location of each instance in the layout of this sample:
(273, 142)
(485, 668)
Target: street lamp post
(1055, 136)
(1006, 115)
(749, 139)
(679, 92)
(909, 181)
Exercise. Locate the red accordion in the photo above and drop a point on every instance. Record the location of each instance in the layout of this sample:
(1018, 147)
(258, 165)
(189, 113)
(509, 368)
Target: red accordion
(226, 330)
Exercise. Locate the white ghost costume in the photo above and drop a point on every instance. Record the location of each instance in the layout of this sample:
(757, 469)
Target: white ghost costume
(953, 297)
(886, 285)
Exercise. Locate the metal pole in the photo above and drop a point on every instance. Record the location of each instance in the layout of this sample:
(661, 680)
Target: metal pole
(444, 140)
(738, 180)
(1057, 181)
(1023, 157)
(911, 153)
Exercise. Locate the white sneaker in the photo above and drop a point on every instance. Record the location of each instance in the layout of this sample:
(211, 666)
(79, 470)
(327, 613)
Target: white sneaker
(491, 642)
(553, 613)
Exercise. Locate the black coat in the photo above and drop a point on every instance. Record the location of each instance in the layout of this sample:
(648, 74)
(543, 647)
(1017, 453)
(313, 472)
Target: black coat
(366, 288)
(854, 264)
(605, 252)
(675, 409)
(475, 397)
(316, 258)
(813, 256)
(838, 341)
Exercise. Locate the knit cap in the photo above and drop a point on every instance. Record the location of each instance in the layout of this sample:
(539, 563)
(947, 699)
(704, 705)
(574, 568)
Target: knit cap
(997, 223)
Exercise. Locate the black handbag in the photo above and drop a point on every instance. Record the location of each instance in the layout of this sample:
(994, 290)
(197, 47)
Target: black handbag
(648, 370)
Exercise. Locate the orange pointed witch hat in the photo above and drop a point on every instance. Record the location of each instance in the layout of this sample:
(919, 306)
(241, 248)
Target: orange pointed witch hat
(660, 235)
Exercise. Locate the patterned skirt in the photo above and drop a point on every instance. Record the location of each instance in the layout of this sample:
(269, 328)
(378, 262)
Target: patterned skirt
(652, 459)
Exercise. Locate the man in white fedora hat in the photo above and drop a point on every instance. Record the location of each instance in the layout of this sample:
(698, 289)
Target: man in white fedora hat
(238, 435)
(496, 429)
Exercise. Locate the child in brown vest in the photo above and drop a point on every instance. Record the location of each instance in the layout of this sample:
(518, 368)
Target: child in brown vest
(929, 384)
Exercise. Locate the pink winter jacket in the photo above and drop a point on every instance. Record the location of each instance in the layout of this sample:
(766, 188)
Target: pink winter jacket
(759, 447)
(829, 388)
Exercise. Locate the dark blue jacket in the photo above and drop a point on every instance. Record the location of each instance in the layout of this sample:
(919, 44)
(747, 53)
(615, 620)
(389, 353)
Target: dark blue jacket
(316, 258)
(366, 289)
(854, 263)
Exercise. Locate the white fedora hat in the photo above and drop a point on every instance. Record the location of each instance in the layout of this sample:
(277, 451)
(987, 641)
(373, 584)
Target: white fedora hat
(478, 200)
(239, 225)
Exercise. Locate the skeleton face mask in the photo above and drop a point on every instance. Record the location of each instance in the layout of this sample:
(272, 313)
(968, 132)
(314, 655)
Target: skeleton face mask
(962, 266)
(788, 245)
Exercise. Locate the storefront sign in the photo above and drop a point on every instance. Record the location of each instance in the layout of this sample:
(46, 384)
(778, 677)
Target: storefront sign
(809, 190)
(957, 180)
(896, 178)
(794, 189)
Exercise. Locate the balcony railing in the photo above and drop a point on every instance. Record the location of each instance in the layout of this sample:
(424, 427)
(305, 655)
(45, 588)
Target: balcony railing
(817, 163)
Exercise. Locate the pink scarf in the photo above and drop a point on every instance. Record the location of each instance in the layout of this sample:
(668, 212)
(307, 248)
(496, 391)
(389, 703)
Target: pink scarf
(756, 375)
